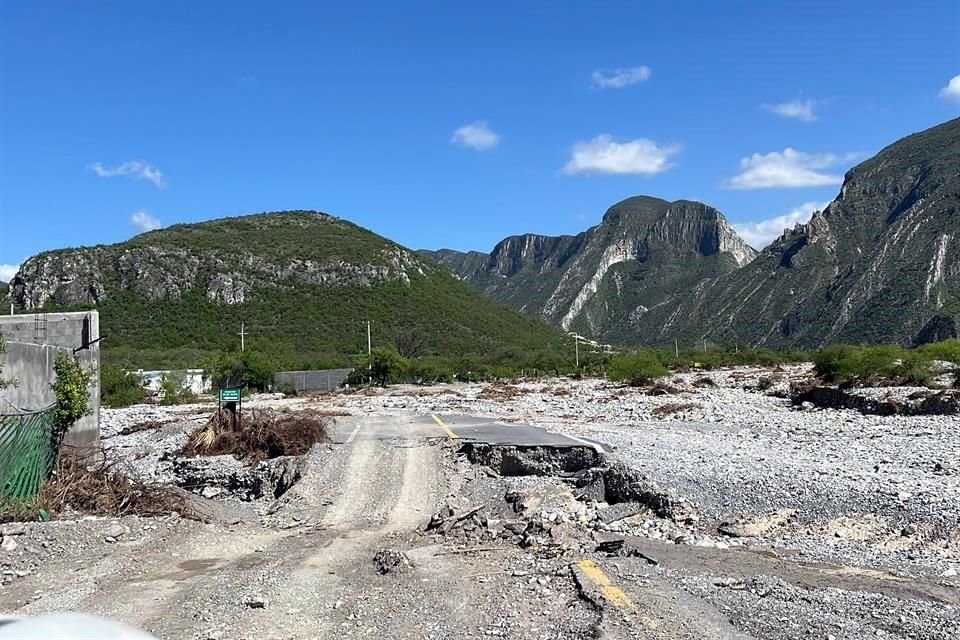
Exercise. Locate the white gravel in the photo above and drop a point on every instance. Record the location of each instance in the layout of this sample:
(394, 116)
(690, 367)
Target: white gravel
(855, 481)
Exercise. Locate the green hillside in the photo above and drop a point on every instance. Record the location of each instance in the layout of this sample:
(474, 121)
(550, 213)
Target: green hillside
(302, 284)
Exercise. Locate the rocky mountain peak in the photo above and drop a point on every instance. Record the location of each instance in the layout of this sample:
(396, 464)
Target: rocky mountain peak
(642, 246)
(635, 209)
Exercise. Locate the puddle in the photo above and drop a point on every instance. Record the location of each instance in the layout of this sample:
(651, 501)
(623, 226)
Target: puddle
(192, 568)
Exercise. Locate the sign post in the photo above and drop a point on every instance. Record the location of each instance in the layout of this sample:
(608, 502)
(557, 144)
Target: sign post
(233, 398)
(229, 395)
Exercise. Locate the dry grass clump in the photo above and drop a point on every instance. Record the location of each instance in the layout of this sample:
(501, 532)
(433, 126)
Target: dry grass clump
(673, 407)
(333, 412)
(704, 381)
(426, 393)
(662, 389)
(260, 435)
(501, 391)
(100, 488)
(146, 425)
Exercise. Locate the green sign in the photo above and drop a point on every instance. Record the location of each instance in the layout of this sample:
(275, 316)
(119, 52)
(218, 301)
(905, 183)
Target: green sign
(229, 395)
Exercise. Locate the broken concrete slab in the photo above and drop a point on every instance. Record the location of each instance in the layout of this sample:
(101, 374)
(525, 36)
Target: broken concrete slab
(619, 511)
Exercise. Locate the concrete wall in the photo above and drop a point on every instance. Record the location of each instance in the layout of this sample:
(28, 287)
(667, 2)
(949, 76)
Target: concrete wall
(70, 330)
(31, 364)
(321, 381)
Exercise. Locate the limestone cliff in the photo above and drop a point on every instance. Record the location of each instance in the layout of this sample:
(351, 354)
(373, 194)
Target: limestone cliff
(644, 249)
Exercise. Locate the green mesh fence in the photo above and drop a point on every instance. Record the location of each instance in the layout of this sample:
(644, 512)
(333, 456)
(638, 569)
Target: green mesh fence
(26, 454)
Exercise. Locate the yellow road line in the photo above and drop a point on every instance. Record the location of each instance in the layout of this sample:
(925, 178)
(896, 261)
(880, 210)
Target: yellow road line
(440, 422)
(614, 594)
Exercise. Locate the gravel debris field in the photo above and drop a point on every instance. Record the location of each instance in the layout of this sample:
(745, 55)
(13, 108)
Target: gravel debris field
(748, 518)
(854, 482)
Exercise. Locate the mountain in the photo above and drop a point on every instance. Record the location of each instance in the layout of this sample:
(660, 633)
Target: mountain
(603, 281)
(302, 283)
(880, 264)
(457, 261)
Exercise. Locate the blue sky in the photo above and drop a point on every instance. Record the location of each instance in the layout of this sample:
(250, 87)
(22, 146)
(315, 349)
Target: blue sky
(445, 125)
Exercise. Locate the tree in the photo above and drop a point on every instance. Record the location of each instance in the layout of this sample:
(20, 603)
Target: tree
(71, 388)
(386, 366)
(410, 343)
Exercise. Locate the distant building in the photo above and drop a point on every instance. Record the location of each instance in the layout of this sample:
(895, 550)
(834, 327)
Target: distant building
(193, 379)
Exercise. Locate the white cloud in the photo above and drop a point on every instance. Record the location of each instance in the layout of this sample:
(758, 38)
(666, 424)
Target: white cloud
(136, 169)
(952, 90)
(798, 109)
(620, 78)
(476, 135)
(604, 155)
(143, 221)
(789, 169)
(759, 234)
(7, 271)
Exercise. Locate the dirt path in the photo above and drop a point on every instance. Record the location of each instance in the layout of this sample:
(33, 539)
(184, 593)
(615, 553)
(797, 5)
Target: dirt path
(313, 582)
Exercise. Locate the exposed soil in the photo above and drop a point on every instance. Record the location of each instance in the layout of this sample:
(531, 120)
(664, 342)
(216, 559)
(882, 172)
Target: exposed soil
(915, 403)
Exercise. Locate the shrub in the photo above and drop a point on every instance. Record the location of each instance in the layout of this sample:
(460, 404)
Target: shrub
(837, 363)
(947, 350)
(174, 389)
(871, 365)
(247, 369)
(764, 383)
(387, 366)
(430, 372)
(286, 388)
(914, 368)
(636, 368)
(71, 388)
(4, 383)
(119, 388)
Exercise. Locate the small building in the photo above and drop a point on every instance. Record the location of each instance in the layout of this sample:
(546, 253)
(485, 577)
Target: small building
(194, 380)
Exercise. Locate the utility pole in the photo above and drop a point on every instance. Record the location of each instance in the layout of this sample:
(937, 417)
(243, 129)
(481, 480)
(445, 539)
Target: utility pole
(676, 347)
(242, 334)
(576, 343)
(369, 352)
(704, 344)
